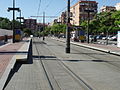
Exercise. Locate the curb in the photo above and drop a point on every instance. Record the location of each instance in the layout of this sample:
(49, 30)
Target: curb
(91, 47)
(115, 53)
(24, 50)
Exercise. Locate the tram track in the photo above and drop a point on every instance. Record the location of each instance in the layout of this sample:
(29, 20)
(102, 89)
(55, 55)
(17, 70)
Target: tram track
(67, 70)
(44, 68)
(96, 58)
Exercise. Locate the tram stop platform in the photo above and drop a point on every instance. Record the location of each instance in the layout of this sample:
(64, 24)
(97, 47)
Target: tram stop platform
(9, 54)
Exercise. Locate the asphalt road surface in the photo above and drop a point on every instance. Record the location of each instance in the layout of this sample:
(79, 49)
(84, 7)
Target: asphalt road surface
(52, 69)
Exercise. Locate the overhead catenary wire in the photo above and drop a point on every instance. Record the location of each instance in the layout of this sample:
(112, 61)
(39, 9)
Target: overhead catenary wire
(48, 4)
(63, 8)
(38, 8)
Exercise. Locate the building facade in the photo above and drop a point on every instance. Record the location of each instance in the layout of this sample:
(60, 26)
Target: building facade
(63, 17)
(30, 23)
(79, 11)
(107, 8)
(117, 6)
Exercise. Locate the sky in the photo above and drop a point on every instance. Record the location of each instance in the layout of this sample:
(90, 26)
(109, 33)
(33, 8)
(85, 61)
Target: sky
(37, 7)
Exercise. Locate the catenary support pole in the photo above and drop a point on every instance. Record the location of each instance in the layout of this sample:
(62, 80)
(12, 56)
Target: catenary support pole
(68, 29)
(13, 23)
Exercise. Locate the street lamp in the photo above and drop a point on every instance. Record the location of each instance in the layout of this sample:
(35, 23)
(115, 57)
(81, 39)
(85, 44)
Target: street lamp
(20, 19)
(68, 29)
(13, 24)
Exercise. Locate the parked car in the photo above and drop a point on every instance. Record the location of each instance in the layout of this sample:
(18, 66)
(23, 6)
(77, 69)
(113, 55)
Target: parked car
(104, 37)
(100, 36)
(114, 38)
(61, 36)
(109, 37)
(92, 38)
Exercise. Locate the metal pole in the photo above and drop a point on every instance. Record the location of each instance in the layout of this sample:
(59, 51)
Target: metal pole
(107, 38)
(20, 21)
(13, 22)
(43, 25)
(88, 21)
(68, 29)
(88, 26)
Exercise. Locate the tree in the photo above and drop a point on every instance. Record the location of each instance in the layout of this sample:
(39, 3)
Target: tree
(116, 16)
(17, 24)
(58, 28)
(103, 23)
(5, 23)
(27, 32)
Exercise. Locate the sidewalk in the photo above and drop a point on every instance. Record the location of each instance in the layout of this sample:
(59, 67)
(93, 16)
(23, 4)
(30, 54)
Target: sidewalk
(112, 49)
(8, 59)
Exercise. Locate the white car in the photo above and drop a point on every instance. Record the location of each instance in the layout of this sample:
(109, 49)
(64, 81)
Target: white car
(114, 38)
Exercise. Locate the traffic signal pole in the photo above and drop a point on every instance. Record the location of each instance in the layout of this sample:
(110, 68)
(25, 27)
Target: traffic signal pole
(68, 29)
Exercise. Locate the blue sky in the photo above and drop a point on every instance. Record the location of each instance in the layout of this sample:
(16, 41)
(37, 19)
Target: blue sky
(51, 7)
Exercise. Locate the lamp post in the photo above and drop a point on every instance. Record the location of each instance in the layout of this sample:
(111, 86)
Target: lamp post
(13, 23)
(20, 19)
(68, 29)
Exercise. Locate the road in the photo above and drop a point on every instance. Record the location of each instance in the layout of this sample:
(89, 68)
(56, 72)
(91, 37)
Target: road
(53, 69)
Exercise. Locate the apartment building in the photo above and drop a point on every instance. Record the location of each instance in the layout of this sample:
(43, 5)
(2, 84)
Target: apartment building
(107, 8)
(30, 23)
(117, 6)
(63, 17)
(79, 11)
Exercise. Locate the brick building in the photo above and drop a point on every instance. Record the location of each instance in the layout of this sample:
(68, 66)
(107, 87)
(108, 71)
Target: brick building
(30, 23)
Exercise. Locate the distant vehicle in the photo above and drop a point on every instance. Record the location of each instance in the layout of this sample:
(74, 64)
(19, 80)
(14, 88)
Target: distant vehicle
(109, 37)
(104, 38)
(61, 36)
(114, 38)
(92, 38)
(31, 36)
(100, 36)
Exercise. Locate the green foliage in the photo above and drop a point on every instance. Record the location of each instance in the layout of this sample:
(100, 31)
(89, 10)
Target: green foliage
(17, 24)
(104, 22)
(7, 24)
(116, 16)
(84, 25)
(58, 28)
(27, 32)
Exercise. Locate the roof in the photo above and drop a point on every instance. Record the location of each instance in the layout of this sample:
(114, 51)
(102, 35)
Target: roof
(84, 2)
